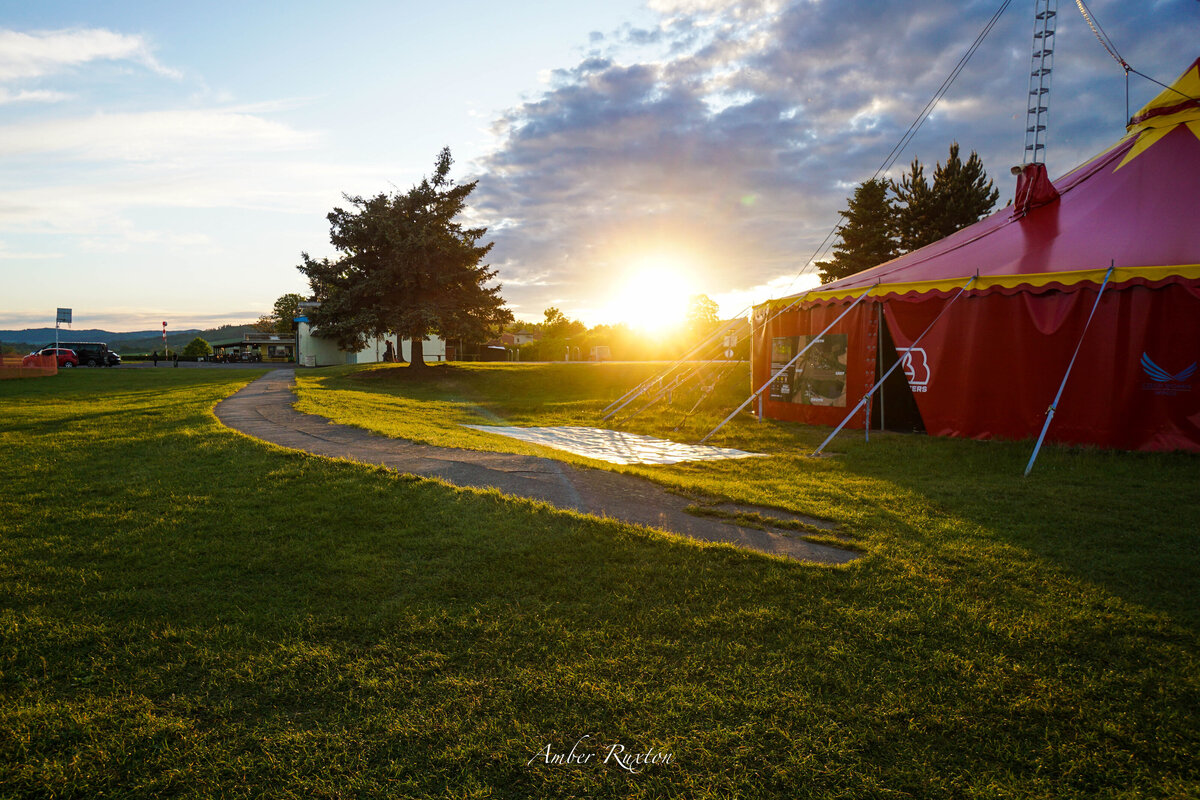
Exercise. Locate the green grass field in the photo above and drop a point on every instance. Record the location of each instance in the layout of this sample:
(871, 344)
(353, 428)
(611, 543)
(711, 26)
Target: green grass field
(187, 612)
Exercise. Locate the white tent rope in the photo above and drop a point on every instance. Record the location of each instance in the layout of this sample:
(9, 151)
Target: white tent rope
(1054, 405)
(783, 369)
(887, 374)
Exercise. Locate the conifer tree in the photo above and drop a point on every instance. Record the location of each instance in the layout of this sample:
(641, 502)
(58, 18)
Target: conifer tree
(865, 238)
(959, 195)
(407, 267)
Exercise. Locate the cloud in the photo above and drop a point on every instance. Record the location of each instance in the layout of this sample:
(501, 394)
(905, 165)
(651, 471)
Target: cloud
(34, 96)
(125, 237)
(118, 319)
(151, 135)
(6, 254)
(41, 53)
(97, 203)
(736, 141)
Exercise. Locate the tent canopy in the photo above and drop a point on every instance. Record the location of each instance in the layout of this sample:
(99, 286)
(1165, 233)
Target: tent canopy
(1145, 183)
(989, 366)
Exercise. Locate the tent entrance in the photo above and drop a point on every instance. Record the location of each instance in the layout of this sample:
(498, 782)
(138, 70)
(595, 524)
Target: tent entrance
(893, 407)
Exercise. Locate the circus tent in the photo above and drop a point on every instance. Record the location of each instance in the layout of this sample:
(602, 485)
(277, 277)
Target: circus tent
(985, 321)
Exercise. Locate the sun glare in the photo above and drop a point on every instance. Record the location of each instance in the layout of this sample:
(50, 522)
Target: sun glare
(654, 297)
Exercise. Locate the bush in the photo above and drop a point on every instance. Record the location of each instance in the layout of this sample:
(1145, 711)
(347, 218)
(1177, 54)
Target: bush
(197, 347)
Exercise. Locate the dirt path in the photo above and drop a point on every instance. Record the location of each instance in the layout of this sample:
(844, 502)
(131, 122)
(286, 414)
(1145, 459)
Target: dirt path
(264, 410)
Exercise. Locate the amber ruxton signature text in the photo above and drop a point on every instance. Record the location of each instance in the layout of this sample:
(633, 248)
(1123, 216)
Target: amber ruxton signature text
(615, 754)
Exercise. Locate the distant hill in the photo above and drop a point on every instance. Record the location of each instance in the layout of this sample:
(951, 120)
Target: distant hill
(120, 341)
(87, 335)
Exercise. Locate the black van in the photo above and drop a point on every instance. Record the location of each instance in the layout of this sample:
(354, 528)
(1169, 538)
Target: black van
(92, 354)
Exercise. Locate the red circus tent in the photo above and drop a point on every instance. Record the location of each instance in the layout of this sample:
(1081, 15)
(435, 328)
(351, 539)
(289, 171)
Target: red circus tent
(991, 366)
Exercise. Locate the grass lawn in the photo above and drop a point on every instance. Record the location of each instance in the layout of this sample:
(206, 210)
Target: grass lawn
(187, 612)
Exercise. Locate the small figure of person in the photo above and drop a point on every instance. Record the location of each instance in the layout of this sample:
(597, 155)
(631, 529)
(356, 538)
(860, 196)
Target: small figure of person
(389, 355)
(177, 359)
(155, 357)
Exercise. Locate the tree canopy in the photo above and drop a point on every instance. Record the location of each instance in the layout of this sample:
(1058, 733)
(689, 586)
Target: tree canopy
(702, 316)
(407, 267)
(865, 237)
(281, 318)
(885, 219)
(959, 195)
(197, 347)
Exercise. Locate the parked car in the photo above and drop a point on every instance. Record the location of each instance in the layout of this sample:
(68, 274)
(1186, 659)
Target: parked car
(66, 358)
(113, 360)
(93, 354)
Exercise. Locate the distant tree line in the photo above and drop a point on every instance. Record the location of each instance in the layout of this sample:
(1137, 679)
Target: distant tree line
(557, 334)
(282, 316)
(885, 219)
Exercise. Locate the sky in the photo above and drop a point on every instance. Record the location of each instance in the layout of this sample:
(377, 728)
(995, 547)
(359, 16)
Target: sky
(171, 161)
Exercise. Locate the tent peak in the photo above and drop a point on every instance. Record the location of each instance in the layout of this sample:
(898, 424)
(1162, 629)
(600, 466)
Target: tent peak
(1179, 102)
(1034, 188)
(1176, 105)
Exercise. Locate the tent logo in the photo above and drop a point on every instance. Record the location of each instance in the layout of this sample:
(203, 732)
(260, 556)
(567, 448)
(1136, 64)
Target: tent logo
(1164, 382)
(916, 367)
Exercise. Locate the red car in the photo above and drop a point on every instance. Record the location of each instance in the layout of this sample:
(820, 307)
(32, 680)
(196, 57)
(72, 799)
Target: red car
(66, 358)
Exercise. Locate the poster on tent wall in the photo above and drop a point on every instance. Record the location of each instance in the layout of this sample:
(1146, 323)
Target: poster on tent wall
(833, 374)
(810, 370)
(991, 366)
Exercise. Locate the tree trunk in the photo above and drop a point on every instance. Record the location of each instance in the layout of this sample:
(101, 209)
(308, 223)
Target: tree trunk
(417, 353)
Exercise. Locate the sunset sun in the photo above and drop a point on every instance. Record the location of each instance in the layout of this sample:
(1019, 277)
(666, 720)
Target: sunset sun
(654, 295)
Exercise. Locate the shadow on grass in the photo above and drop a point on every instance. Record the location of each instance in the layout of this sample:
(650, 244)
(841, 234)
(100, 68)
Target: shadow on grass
(1122, 521)
(216, 617)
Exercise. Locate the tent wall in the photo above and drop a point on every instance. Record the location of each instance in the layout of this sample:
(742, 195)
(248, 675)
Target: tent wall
(893, 407)
(991, 366)
(832, 377)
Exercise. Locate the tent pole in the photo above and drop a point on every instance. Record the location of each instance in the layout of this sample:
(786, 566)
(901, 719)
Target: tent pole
(782, 370)
(899, 361)
(1054, 405)
(677, 383)
(870, 407)
(867, 426)
(645, 385)
(879, 366)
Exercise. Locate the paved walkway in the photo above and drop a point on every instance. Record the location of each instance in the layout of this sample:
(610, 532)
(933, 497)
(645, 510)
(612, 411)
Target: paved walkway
(263, 409)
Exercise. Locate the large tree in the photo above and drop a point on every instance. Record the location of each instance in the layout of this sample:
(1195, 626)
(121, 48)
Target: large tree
(865, 237)
(282, 318)
(197, 347)
(407, 267)
(702, 316)
(959, 195)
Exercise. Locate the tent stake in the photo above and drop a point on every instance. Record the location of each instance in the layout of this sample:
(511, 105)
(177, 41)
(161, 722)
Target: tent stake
(647, 384)
(1054, 405)
(616, 405)
(899, 361)
(782, 370)
(627, 398)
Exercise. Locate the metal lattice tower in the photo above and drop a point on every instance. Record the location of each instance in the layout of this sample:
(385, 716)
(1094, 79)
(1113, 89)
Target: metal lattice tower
(1045, 14)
